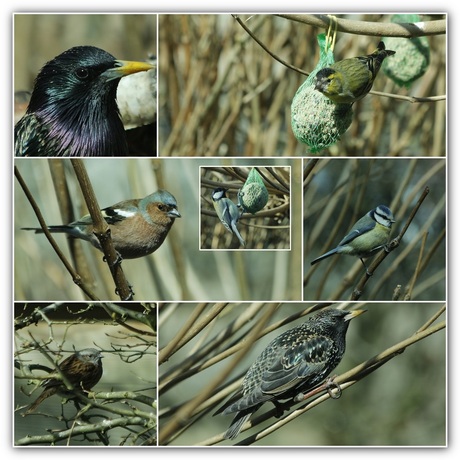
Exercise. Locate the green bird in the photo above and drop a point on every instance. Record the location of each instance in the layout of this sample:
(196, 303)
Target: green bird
(349, 80)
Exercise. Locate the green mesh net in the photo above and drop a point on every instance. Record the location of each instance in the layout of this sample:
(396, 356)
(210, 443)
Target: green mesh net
(412, 55)
(315, 119)
(254, 195)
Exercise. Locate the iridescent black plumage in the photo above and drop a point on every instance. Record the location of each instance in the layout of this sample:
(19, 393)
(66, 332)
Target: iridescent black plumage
(295, 362)
(73, 109)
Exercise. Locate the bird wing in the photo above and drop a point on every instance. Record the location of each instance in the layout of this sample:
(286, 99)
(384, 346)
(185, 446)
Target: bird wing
(117, 213)
(226, 216)
(354, 233)
(303, 363)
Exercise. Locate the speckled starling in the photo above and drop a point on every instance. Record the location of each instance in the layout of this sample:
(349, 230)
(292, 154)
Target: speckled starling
(73, 109)
(294, 363)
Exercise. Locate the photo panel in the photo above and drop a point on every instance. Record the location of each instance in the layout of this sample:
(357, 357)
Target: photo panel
(136, 196)
(300, 85)
(85, 374)
(88, 90)
(252, 374)
(375, 229)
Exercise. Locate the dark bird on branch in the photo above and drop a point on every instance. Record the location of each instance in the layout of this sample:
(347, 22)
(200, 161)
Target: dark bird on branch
(82, 370)
(73, 109)
(293, 364)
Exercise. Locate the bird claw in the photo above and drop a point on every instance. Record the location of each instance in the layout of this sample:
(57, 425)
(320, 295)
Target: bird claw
(116, 262)
(130, 295)
(333, 389)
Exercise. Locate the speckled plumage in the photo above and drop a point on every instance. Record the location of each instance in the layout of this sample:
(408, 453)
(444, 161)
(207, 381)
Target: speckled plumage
(295, 362)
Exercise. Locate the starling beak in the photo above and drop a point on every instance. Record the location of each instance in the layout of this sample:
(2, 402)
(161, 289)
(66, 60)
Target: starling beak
(73, 109)
(292, 364)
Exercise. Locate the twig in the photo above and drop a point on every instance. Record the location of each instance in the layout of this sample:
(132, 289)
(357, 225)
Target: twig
(77, 279)
(102, 231)
(376, 29)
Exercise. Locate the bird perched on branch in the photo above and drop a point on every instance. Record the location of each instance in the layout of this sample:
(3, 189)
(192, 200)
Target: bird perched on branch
(82, 370)
(227, 211)
(73, 109)
(293, 364)
(349, 80)
(370, 234)
(138, 227)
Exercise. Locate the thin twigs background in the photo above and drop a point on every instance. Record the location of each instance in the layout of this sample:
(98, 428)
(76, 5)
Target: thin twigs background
(389, 349)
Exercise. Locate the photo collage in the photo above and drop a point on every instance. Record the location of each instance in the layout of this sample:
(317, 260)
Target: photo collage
(206, 201)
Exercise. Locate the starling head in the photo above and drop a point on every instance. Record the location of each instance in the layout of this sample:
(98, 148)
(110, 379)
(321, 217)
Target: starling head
(293, 363)
(73, 109)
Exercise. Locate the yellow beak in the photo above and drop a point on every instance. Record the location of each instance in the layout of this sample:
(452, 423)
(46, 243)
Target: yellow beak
(124, 68)
(353, 314)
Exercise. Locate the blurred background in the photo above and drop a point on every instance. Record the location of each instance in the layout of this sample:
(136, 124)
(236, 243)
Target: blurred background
(126, 336)
(178, 270)
(402, 403)
(337, 192)
(221, 94)
(40, 37)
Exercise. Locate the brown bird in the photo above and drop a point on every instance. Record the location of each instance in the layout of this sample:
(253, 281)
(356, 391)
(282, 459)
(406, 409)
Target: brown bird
(83, 370)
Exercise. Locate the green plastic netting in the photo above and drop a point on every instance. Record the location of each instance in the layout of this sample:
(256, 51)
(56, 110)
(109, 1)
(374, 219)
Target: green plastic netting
(412, 55)
(315, 119)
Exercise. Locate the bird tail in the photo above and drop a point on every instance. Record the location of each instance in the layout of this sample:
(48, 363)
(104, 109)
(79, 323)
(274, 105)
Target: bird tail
(45, 394)
(237, 423)
(237, 233)
(53, 229)
(324, 256)
(378, 56)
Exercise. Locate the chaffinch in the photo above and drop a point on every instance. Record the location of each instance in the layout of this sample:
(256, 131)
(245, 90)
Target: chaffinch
(138, 227)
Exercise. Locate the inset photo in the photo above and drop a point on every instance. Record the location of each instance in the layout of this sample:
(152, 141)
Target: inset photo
(245, 207)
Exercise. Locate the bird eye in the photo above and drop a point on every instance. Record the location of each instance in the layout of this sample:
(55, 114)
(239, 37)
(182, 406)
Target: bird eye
(82, 73)
(161, 207)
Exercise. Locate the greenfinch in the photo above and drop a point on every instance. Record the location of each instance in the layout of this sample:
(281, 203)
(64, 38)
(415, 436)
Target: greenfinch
(349, 80)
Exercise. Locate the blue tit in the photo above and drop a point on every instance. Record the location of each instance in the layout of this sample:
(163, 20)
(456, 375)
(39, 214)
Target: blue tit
(254, 195)
(227, 211)
(367, 236)
(349, 80)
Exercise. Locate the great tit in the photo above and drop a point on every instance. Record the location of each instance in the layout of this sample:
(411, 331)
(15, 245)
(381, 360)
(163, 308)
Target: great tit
(227, 211)
(367, 236)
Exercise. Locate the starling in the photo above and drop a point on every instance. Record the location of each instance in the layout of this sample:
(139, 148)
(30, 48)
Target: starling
(293, 364)
(73, 109)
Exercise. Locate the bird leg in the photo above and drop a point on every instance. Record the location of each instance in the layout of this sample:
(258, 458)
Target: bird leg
(329, 385)
(280, 407)
(368, 273)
